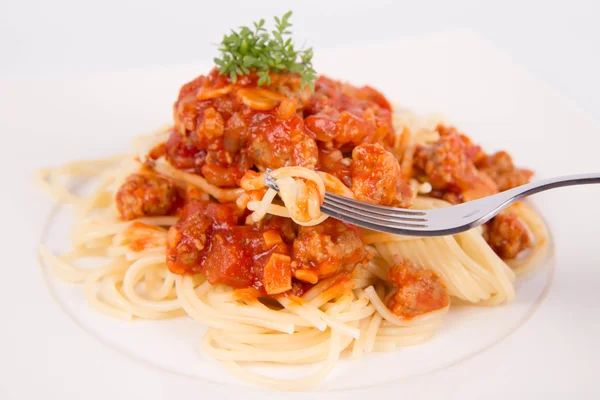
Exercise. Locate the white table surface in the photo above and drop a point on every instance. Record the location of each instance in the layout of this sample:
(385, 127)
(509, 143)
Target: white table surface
(557, 40)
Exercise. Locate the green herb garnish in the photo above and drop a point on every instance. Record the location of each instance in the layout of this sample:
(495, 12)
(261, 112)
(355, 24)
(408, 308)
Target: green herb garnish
(258, 50)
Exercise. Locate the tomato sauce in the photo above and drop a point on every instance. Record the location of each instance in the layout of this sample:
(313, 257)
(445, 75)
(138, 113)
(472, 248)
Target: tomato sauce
(225, 130)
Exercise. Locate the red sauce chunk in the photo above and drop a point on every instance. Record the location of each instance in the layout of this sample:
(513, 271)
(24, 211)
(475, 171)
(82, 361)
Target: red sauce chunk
(418, 290)
(209, 240)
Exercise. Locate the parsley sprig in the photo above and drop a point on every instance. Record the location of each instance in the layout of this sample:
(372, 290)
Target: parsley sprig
(256, 49)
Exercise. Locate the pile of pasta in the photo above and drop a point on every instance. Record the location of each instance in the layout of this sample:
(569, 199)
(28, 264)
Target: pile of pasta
(334, 317)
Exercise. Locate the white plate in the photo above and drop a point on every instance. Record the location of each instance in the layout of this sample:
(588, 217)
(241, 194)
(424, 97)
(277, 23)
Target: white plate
(538, 344)
(466, 332)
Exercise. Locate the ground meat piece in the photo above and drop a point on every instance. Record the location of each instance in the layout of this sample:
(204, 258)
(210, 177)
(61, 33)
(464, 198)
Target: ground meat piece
(276, 143)
(507, 235)
(448, 164)
(419, 290)
(502, 170)
(146, 195)
(186, 241)
(376, 177)
(328, 248)
(346, 115)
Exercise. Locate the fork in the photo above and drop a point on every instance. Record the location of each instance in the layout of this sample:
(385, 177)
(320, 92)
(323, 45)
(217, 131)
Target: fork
(439, 221)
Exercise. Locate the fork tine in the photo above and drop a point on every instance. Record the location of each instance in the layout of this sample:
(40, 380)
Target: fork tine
(367, 220)
(395, 228)
(373, 208)
(369, 213)
(371, 216)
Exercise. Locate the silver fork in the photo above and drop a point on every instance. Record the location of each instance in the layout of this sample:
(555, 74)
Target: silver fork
(439, 221)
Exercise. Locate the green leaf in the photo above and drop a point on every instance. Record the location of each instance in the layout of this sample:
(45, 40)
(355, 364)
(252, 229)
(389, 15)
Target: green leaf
(245, 31)
(264, 52)
(259, 25)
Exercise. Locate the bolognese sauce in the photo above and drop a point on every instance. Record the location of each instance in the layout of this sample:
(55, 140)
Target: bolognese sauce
(224, 131)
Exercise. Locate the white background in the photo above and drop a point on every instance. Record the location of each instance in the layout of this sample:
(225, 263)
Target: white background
(555, 354)
(557, 40)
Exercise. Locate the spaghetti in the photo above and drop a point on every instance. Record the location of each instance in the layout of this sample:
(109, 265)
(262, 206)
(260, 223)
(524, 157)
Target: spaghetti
(187, 226)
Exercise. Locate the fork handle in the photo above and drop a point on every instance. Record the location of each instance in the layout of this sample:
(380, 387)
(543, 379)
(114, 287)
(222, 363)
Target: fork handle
(489, 207)
(474, 213)
(551, 183)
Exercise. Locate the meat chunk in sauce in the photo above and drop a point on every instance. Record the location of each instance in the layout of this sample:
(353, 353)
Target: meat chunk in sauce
(376, 177)
(147, 195)
(448, 164)
(341, 114)
(224, 129)
(418, 290)
(502, 170)
(328, 248)
(507, 235)
(210, 240)
(276, 143)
